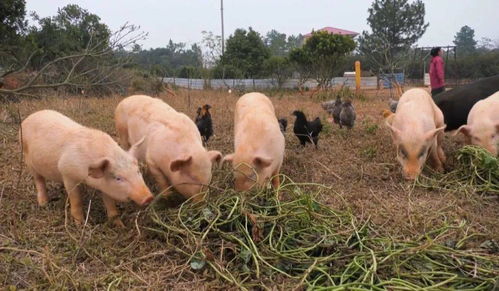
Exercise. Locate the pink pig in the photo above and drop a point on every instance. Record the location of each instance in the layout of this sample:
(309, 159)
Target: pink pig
(258, 144)
(482, 127)
(57, 148)
(417, 131)
(172, 149)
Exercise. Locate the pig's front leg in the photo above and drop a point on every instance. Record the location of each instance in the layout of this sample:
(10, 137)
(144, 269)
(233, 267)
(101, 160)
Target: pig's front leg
(74, 200)
(276, 180)
(161, 180)
(440, 151)
(112, 211)
(435, 159)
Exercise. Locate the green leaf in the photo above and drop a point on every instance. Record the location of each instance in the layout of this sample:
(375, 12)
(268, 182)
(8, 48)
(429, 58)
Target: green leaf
(208, 214)
(197, 264)
(245, 254)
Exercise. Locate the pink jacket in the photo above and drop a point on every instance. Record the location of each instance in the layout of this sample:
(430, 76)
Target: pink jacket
(437, 72)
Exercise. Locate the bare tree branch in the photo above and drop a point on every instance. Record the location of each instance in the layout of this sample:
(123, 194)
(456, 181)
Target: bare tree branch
(93, 67)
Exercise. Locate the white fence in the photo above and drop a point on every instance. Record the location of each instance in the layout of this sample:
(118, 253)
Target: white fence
(199, 84)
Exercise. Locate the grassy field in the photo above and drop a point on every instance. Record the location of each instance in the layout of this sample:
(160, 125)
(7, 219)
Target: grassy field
(361, 182)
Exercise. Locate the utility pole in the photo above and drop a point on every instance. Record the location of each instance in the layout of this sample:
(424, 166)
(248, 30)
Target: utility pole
(222, 16)
(223, 39)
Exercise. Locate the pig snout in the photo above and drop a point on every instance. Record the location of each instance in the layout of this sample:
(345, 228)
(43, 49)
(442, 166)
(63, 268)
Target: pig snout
(411, 173)
(411, 170)
(142, 197)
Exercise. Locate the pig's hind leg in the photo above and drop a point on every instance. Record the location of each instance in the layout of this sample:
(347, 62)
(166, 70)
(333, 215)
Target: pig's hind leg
(41, 189)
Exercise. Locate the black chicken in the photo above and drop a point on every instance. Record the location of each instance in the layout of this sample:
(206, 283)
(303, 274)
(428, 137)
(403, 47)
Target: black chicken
(307, 131)
(204, 122)
(283, 124)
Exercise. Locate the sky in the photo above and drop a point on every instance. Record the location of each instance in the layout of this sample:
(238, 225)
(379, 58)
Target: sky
(183, 20)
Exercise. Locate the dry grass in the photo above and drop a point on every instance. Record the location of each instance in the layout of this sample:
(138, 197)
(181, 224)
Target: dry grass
(41, 247)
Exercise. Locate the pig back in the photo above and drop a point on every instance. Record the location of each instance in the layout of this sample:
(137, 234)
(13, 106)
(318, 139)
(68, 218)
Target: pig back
(416, 111)
(168, 133)
(140, 112)
(256, 125)
(45, 136)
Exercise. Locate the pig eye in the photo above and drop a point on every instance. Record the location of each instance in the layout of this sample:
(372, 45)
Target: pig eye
(422, 152)
(118, 179)
(403, 153)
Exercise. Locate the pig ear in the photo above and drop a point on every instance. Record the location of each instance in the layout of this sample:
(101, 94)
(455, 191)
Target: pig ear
(395, 131)
(215, 157)
(180, 163)
(133, 151)
(464, 129)
(228, 158)
(432, 133)
(262, 162)
(98, 169)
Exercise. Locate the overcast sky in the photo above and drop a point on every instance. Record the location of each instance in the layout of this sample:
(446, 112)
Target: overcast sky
(183, 20)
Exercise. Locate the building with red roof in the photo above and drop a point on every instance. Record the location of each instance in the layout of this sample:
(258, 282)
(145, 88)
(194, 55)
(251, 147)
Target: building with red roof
(334, 30)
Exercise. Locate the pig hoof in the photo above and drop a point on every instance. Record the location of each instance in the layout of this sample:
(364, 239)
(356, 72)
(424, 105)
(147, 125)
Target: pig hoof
(42, 203)
(42, 200)
(78, 222)
(117, 222)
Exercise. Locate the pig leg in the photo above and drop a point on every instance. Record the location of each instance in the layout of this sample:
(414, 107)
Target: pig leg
(161, 180)
(74, 200)
(276, 180)
(123, 137)
(112, 211)
(41, 190)
(440, 151)
(435, 159)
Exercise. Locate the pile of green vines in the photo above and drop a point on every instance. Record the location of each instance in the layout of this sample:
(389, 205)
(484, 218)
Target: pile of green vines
(259, 238)
(476, 170)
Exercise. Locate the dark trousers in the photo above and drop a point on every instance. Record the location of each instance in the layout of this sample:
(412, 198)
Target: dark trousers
(437, 91)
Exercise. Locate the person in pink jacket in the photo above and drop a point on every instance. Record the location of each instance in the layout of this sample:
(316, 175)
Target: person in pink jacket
(437, 71)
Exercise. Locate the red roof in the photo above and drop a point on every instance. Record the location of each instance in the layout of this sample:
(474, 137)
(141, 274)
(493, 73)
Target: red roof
(334, 30)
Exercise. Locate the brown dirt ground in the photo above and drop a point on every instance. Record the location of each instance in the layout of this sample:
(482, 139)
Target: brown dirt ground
(41, 247)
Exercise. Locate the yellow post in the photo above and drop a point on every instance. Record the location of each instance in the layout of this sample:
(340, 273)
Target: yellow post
(357, 76)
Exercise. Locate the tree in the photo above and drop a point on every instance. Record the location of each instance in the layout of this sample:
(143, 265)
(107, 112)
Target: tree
(324, 52)
(276, 42)
(246, 51)
(465, 40)
(170, 59)
(302, 63)
(72, 50)
(294, 41)
(212, 48)
(281, 45)
(279, 68)
(395, 26)
(12, 27)
(12, 19)
(69, 31)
